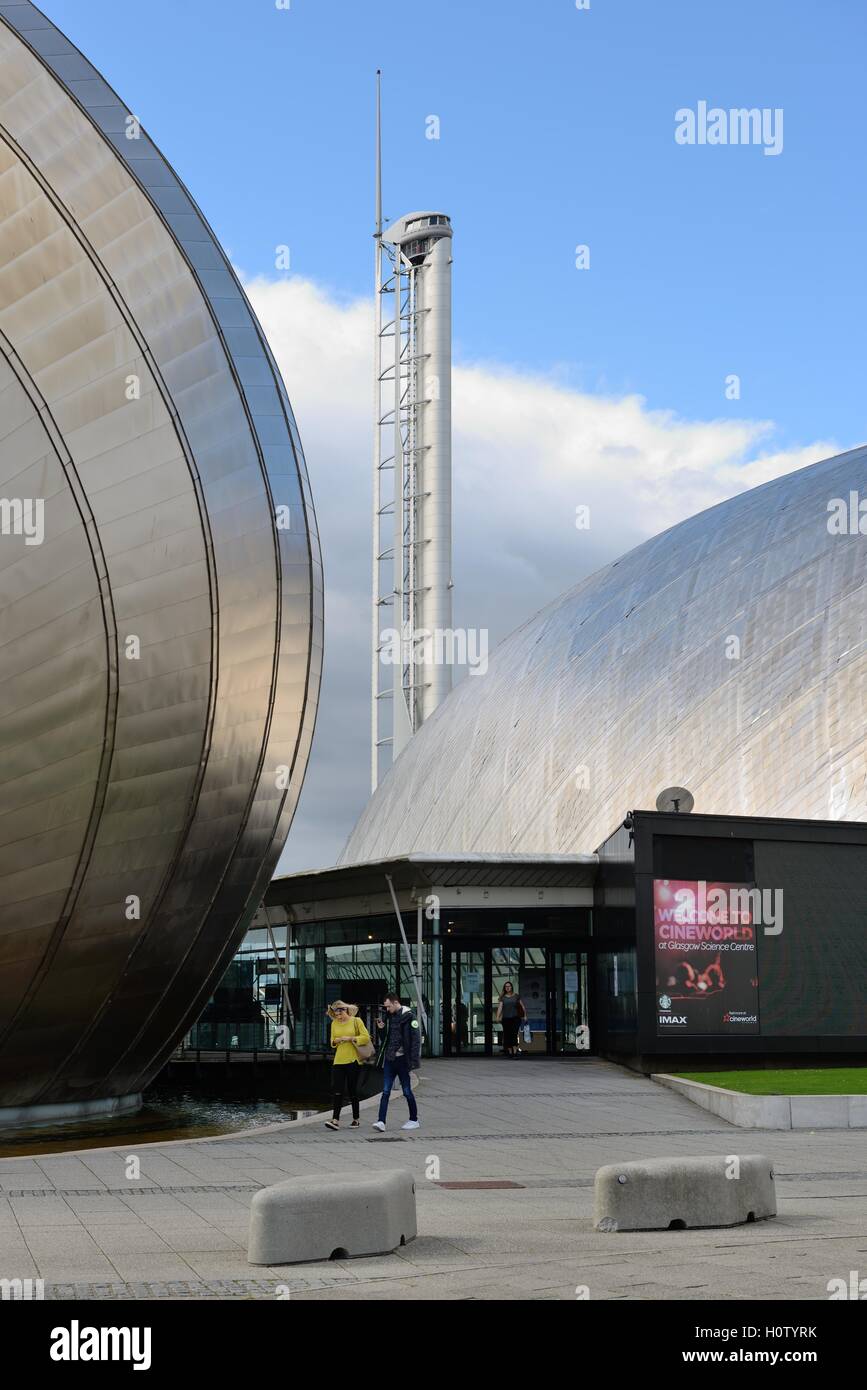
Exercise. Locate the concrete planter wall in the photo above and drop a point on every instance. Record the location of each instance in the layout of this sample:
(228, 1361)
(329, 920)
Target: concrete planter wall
(772, 1112)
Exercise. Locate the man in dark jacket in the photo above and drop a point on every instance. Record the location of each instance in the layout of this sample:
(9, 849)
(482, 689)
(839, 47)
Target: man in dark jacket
(400, 1056)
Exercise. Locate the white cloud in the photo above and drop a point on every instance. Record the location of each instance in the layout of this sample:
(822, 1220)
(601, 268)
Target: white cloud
(526, 452)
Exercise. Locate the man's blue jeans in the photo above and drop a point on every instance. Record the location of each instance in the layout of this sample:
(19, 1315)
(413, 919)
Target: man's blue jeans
(398, 1068)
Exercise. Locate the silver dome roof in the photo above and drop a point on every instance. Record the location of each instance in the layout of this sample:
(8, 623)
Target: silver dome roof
(632, 682)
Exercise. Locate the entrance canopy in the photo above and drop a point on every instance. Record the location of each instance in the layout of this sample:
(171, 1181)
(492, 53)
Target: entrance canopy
(470, 878)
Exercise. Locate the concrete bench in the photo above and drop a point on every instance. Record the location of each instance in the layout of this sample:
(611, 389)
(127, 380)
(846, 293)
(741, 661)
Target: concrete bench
(678, 1193)
(333, 1215)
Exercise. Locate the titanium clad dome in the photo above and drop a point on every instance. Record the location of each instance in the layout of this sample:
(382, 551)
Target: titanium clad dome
(633, 681)
(160, 591)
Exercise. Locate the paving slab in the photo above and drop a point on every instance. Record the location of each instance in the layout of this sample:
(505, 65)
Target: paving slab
(179, 1231)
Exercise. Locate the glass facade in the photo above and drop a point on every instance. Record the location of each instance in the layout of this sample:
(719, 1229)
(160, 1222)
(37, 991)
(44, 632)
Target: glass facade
(467, 956)
(357, 959)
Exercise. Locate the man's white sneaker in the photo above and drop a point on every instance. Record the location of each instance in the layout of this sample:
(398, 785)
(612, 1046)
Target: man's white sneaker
(379, 1124)
(410, 1124)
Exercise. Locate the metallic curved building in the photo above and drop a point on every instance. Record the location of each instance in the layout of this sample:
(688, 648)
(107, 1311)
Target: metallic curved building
(727, 655)
(160, 591)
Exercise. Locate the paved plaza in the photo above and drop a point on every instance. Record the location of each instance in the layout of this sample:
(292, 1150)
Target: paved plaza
(179, 1230)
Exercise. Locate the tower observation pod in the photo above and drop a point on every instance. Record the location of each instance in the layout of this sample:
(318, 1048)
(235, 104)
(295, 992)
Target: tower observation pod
(412, 526)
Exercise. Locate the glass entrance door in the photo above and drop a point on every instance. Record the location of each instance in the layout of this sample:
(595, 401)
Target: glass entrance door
(571, 1005)
(552, 984)
(469, 976)
(533, 986)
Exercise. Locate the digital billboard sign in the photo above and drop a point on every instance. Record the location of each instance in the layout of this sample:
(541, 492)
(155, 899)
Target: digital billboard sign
(705, 956)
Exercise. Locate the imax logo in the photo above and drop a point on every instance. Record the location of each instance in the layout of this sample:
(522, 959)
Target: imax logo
(738, 126)
(23, 516)
(672, 1018)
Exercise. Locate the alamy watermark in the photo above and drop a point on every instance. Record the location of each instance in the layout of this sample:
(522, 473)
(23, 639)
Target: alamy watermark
(854, 1288)
(847, 516)
(741, 125)
(23, 516)
(21, 1290)
(77, 1343)
(710, 914)
(440, 646)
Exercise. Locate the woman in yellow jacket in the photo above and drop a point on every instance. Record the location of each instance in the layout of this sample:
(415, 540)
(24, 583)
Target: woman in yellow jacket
(348, 1033)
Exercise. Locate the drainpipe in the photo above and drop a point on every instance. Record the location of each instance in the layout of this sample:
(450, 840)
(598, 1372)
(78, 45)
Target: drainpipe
(436, 985)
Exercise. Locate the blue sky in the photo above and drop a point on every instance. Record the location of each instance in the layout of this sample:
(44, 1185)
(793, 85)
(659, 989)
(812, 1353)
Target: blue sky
(557, 128)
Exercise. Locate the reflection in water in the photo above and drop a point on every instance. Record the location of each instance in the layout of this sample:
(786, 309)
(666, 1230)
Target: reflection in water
(169, 1112)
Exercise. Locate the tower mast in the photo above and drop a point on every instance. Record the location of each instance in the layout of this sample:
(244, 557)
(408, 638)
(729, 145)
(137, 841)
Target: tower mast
(412, 482)
(379, 600)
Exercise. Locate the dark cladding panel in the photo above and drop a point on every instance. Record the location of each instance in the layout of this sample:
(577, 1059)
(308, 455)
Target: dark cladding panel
(812, 975)
(703, 857)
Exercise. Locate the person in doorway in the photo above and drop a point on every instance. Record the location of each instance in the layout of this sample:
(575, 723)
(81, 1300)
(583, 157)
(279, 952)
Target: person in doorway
(400, 1057)
(511, 1014)
(348, 1033)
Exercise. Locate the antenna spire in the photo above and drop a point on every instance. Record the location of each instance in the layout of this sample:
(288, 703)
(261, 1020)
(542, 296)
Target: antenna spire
(378, 152)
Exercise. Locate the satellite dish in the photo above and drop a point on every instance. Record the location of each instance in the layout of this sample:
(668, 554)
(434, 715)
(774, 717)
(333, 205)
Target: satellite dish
(676, 799)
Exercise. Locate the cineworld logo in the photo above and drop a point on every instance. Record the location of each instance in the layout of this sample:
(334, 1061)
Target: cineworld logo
(738, 126)
(77, 1343)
